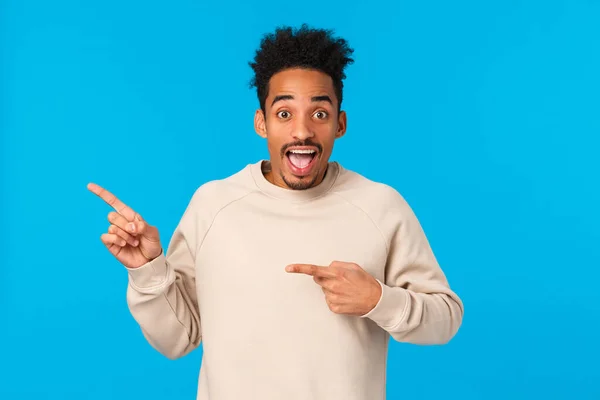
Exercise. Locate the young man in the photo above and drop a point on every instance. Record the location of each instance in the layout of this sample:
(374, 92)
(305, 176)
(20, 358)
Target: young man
(294, 272)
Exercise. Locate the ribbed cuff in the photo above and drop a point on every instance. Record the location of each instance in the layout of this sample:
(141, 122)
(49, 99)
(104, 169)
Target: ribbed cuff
(151, 274)
(391, 308)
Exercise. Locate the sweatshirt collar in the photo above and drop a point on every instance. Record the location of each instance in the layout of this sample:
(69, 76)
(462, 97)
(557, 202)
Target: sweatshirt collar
(256, 169)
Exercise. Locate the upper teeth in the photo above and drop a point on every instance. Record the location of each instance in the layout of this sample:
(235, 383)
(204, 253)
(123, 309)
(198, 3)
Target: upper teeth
(302, 151)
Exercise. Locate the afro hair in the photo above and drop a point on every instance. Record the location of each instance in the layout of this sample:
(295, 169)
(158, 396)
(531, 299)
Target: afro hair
(304, 47)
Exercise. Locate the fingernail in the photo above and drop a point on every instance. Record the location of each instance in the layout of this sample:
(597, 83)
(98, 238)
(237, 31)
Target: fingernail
(136, 243)
(131, 227)
(289, 268)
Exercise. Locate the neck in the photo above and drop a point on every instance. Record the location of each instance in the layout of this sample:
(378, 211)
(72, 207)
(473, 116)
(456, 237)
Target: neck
(278, 180)
(263, 177)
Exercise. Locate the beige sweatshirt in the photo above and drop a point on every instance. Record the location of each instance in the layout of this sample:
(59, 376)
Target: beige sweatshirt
(268, 334)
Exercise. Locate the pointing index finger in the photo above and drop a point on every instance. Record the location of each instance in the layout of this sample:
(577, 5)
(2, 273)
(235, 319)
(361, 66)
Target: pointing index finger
(310, 269)
(112, 201)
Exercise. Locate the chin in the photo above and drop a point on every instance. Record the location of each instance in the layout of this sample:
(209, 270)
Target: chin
(300, 184)
(304, 182)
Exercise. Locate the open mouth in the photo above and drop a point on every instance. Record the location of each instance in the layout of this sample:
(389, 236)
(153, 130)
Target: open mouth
(301, 161)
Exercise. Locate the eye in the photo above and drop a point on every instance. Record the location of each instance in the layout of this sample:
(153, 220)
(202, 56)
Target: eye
(283, 114)
(321, 114)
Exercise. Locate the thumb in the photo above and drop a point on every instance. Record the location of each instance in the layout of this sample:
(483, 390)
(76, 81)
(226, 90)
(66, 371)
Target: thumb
(138, 226)
(147, 231)
(141, 227)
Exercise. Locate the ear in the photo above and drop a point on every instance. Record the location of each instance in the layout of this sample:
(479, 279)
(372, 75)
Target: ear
(259, 124)
(342, 121)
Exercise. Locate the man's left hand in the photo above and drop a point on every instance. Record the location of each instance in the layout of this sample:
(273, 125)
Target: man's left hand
(348, 288)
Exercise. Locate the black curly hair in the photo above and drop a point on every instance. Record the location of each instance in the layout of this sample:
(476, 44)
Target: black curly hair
(304, 47)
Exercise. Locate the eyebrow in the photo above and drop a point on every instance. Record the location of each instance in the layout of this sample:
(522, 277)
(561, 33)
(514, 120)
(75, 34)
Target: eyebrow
(290, 97)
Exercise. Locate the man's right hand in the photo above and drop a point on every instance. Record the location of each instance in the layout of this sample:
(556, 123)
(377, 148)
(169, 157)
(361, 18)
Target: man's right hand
(130, 239)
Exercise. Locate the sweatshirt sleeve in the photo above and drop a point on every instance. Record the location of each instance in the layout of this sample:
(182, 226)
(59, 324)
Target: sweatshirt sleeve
(161, 294)
(416, 304)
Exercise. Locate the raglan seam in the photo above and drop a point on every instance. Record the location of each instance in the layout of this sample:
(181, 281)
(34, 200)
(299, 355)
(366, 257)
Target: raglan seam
(383, 238)
(217, 214)
(387, 250)
(188, 332)
(162, 285)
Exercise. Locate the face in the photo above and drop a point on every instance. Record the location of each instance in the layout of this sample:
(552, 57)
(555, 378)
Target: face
(300, 123)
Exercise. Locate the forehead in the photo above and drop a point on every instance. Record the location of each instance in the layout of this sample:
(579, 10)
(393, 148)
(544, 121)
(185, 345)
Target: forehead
(301, 83)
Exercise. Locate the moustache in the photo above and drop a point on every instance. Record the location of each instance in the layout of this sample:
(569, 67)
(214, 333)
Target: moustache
(301, 143)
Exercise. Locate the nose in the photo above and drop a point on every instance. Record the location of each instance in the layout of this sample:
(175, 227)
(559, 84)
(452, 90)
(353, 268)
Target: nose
(302, 130)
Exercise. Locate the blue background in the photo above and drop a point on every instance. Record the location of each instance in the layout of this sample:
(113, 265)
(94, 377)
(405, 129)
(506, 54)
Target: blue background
(484, 115)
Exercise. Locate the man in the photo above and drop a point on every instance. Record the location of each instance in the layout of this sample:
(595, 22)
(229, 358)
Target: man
(294, 272)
